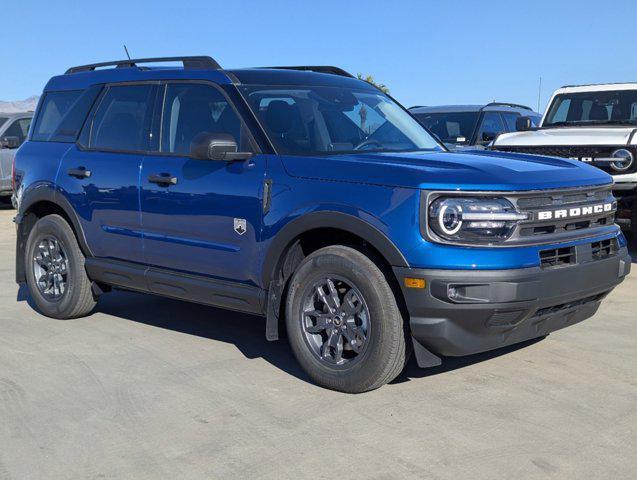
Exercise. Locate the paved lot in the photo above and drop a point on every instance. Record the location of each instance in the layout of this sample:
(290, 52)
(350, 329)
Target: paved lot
(153, 388)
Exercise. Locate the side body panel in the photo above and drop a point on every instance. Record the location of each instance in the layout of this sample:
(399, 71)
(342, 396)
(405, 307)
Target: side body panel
(107, 202)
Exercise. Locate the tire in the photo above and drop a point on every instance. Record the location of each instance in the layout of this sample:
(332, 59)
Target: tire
(378, 330)
(70, 295)
(633, 222)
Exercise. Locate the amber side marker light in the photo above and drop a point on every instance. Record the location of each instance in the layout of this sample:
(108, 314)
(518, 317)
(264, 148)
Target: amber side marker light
(414, 282)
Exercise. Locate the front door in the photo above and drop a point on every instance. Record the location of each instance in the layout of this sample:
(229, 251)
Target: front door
(201, 217)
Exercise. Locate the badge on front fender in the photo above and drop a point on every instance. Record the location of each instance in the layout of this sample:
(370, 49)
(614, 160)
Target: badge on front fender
(240, 225)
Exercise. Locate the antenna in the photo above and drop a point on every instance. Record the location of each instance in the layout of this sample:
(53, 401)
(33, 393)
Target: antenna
(539, 94)
(126, 50)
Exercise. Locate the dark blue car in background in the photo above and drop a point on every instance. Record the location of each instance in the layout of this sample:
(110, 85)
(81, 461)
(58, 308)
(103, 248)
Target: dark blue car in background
(474, 126)
(309, 197)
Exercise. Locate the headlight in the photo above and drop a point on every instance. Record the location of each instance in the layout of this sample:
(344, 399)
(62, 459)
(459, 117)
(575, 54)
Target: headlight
(625, 160)
(473, 220)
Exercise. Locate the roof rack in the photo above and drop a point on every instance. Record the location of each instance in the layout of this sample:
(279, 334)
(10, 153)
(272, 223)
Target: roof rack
(318, 68)
(506, 104)
(190, 63)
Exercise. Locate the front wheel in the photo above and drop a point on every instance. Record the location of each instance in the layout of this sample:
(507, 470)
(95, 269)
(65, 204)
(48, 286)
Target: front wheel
(344, 325)
(54, 267)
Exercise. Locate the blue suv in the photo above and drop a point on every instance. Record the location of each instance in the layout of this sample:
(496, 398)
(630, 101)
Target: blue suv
(313, 199)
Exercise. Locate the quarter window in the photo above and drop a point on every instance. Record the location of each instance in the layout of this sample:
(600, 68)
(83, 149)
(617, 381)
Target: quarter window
(53, 109)
(194, 108)
(122, 120)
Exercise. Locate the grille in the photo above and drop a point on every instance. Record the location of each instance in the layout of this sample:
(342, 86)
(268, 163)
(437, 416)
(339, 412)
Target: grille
(603, 249)
(570, 151)
(556, 257)
(580, 225)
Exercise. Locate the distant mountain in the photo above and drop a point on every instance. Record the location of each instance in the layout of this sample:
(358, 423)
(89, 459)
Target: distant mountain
(19, 105)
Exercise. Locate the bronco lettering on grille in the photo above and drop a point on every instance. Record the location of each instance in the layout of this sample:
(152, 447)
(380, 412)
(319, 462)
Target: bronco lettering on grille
(575, 211)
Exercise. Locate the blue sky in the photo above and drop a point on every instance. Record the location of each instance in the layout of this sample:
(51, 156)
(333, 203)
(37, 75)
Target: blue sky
(427, 52)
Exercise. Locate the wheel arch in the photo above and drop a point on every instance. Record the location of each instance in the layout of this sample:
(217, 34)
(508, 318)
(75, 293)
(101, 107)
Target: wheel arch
(286, 252)
(36, 204)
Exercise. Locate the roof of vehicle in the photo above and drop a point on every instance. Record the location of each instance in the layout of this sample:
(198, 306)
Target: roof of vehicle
(599, 87)
(200, 68)
(494, 106)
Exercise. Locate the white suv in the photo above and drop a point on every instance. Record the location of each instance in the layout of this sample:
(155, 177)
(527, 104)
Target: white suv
(596, 124)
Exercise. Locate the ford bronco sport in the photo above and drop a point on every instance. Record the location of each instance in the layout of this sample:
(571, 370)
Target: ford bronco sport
(595, 124)
(309, 197)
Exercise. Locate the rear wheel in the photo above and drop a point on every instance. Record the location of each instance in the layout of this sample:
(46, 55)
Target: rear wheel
(343, 323)
(54, 266)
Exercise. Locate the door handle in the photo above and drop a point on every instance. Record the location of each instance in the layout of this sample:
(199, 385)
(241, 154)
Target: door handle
(79, 172)
(163, 179)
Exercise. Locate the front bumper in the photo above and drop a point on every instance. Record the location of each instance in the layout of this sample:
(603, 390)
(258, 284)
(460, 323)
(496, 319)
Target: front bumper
(497, 308)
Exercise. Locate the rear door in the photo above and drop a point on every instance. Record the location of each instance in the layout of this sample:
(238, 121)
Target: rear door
(100, 175)
(206, 220)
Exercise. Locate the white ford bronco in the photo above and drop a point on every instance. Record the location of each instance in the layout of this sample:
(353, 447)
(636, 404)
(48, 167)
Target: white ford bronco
(596, 124)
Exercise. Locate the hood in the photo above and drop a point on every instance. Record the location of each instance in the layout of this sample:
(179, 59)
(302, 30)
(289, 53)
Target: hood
(478, 170)
(568, 136)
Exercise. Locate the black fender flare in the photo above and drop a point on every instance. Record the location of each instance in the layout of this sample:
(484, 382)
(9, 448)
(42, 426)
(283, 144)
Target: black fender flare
(329, 219)
(44, 193)
(285, 241)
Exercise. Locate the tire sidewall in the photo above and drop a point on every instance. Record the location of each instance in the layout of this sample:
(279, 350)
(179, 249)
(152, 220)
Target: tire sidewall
(385, 321)
(54, 226)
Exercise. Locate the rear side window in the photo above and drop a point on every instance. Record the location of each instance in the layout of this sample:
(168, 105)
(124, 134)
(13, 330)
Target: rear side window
(54, 107)
(122, 120)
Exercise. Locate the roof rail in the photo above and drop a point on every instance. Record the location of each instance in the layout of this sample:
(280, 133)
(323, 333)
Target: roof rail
(318, 68)
(190, 63)
(506, 104)
(416, 106)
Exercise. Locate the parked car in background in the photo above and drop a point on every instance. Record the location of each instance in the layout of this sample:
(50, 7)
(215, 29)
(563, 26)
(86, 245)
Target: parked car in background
(474, 126)
(596, 124)
(311, 198)
(14, 128)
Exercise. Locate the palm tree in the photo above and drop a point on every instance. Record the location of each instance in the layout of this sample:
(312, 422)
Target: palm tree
(370, 79)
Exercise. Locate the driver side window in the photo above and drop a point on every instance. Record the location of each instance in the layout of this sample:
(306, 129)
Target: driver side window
(194, 108)
(491, 124)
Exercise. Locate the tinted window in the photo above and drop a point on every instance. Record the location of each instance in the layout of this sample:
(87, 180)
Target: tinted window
(71, 124)
(191, 109)
(2, 120)
(53, 108)
(19, 129)
(122, 120)
(509, 120)
(491, 123)
(450, 127)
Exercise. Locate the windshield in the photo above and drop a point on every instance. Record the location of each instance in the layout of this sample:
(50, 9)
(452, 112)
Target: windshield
(2, 120)
(593, 108)
(316, 120)
(450, 127)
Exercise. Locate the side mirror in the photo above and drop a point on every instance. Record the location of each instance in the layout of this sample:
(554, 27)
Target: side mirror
(9, 142)
(488, 136)
(522, 124)
(217, 147)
